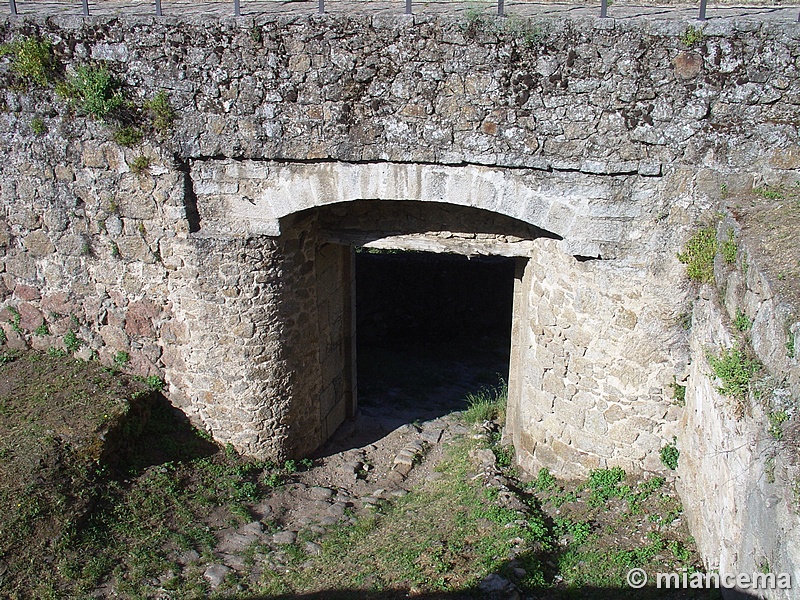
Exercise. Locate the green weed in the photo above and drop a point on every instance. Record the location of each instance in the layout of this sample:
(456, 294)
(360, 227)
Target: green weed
(768, 193)
(742, 322)
(37, 126)
(728, 248)
(72, 342)
(735, 370)
(579, 530)
(3, 336)
(94, 90)
(487, 404)
(42, 330)
(128, 136)
(15, 319)
(160, 111)
(698, 255)
(122, 358)
(605, 484)
(32, 60)
(140, 165)
(776, 421)
(544, 480)
(679, 393)
(692, 36)
(669, 456)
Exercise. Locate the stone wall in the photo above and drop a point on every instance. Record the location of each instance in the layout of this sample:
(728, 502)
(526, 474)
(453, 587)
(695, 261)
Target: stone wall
(598, 346)
(587, 139)
(746, 472)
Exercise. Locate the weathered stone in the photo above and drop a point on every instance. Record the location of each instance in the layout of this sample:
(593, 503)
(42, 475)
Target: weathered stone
(215, 574)
(688, 65)
(38, 243)
(284, 538)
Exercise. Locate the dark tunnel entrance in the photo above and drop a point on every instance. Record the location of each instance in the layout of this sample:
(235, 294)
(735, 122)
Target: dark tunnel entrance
(431, 328)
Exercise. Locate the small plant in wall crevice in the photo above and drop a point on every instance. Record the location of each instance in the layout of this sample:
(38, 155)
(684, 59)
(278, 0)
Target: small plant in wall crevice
(698, 255)
(670, 454)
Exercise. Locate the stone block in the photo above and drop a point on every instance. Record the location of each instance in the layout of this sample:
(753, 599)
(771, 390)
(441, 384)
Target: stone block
(38, 243)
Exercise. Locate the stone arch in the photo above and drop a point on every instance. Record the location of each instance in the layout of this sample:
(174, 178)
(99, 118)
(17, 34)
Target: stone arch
(591, 214)
(596, 337)
(320, 350)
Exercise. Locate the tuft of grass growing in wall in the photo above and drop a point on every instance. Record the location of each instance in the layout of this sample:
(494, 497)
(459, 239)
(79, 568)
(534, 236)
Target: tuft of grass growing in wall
(742, 322)
(15, 319)
(140, 165)
(128, 136)
(31, 60)
(37, 126)
(42, 330)
(3, 336)
(487, 404)
(160, 112)
(776, 421)
(679, 393)
(94, 91)
(768, 193)
(728, 248)
(474, 20)
(692, 36)
(790, 350)
(72, 342)
(735, 370)
(121, 358)
(698, 255)
(669, 455)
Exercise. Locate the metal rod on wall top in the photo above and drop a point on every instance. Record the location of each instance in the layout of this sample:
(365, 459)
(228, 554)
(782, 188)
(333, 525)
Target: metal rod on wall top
(408, 7)
(158, 8)
(85, 8)
(237, 10)
(604, 9)
(501, 8)
(702, 16)
(13, 4)
(322, 7)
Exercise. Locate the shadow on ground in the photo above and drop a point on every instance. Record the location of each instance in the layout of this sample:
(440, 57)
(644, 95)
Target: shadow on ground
(167, 436)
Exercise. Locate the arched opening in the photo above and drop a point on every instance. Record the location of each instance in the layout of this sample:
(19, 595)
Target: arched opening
(413, 302)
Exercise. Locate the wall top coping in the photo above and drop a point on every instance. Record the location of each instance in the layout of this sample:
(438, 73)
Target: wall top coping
(721, 18)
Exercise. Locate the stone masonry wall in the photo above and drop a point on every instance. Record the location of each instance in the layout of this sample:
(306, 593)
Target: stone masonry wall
(618, 136)
(747, 475)
(598, 348)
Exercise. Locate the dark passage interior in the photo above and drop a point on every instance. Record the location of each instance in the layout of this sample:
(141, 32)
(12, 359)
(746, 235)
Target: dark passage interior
(430, 329)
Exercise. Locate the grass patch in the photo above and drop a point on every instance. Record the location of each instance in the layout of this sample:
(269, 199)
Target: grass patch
(487, 404)
(768, 193)
(446, 537)
(140, 165)
(160, 112)
(128, 136)
(37, 126)
(742, 322)
(692, 36)
(728, 248)
(698, 255)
